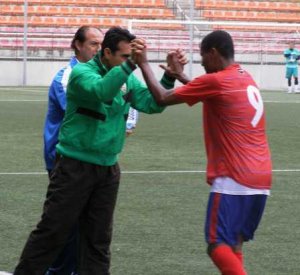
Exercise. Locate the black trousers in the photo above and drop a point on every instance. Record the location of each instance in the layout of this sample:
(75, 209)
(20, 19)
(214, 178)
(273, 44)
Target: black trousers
(77, 191)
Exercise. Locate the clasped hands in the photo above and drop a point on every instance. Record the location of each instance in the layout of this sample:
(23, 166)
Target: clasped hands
(176, 59)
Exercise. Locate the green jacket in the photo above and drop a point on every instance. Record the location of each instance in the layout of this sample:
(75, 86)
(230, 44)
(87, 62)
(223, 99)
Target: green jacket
(98, 101)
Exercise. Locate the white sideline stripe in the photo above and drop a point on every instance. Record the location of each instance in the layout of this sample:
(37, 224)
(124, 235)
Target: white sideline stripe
(273, 101)
(144, 172)
(23, 100)
(20, 89)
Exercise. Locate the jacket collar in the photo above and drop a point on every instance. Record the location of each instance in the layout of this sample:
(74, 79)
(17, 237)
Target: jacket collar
(103, 69)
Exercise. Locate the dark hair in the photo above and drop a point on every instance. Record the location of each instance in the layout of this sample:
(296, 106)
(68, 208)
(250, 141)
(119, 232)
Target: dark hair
(221, 41)
(113, 37)
(80, 36)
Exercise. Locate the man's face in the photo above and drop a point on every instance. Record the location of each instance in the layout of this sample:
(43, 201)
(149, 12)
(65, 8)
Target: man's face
(88, 49)
(291, 46)
(119, 56)
(210, 61)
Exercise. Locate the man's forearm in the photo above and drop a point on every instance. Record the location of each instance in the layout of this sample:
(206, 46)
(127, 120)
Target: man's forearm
(153, 85)
(184, 79)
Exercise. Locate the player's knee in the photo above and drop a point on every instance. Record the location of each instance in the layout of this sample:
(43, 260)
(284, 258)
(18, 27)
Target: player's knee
(211, 247)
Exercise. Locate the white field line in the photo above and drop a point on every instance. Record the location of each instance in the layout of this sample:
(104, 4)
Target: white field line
(149, 172)
(31, 89)
(274, 101)
(23, 100)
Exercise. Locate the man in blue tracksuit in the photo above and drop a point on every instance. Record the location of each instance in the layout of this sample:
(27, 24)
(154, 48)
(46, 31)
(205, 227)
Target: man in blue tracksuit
(56, 111)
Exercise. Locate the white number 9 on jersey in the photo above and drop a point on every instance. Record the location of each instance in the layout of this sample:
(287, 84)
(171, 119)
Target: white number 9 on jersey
(255, 100)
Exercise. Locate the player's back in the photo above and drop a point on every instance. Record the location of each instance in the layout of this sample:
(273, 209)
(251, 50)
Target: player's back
(235, 130)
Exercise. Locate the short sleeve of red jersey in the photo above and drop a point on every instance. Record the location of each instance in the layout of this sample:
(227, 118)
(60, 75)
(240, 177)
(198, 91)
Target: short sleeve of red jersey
(199, 89)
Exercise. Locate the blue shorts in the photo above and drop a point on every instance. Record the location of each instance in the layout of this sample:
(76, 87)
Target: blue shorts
(231, 216)
(291, 72)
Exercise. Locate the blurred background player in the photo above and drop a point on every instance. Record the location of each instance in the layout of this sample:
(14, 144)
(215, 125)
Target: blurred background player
(292, 56)
(86, 43)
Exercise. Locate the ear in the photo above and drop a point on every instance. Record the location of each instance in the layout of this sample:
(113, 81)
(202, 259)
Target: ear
(107, 52)
(78, 45)
(215, 54)
(214, 51)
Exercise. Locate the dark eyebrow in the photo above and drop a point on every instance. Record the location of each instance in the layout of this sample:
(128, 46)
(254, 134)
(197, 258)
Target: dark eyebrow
(125, 55)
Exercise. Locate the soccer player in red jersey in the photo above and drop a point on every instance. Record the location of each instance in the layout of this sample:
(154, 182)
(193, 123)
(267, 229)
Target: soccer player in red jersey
(238, 156)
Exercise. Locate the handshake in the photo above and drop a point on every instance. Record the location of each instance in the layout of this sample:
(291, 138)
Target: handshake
(176, 59)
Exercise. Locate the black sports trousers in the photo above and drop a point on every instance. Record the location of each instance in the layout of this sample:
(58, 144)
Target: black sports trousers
(78, 191)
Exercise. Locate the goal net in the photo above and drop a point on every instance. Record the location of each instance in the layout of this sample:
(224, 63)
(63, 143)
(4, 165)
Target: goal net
(259, 44)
